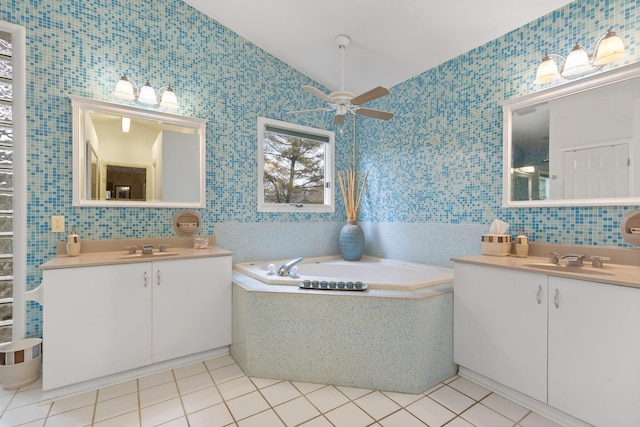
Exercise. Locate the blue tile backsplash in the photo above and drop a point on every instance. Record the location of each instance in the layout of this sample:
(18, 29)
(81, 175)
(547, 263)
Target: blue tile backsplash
(437, 164)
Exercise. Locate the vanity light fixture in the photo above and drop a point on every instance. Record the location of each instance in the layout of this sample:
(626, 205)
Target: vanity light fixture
(126, 124)
(609, 48)
(127, 88)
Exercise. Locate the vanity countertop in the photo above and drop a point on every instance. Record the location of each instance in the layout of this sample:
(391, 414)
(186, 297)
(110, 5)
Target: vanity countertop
(614, 274)
(110, 252)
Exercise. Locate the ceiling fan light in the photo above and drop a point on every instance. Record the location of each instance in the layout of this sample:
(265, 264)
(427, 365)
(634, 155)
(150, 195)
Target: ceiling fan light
(547, 71)
(610, 49)
(341, 110)
(577, 62)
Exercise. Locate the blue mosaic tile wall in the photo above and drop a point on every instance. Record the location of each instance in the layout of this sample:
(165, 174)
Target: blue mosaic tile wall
(440, 159)
(82, 47)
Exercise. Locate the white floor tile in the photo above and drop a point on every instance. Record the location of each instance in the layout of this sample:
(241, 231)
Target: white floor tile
(401, 418)
(179, 422)
(195, 382)
(317, 422)
(481, 416)
(236, 388)
(24, 414)
(219, 362)
(471, 389)
(76, 418)
(403, 399)
(377, 405)
(245, 406)
(296, 411)
(161, 413)
(352, 392)
(188, 370)
(263, 419)
(75, 402)
(505, 407)
(459, 422)
(26, 397)
(452, 399)
(201, 399)
(327, 398)
(214, 416)
(117, 390)
(349, 415)
(155, 379)
(430, 412)
(37, 423)
(226, 373)
(264, 382)
(280, 393)
(537, 420)
(118, 406)
(307, 387)
(131, 419)
(157, 394)
(5, 399)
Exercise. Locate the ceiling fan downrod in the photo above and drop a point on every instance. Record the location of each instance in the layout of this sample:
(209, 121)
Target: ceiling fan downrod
(343, 41)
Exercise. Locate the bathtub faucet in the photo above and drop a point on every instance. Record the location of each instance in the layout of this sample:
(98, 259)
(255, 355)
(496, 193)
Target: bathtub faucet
(284, 268)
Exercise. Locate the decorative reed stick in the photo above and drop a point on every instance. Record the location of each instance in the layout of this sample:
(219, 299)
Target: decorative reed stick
(350, 196)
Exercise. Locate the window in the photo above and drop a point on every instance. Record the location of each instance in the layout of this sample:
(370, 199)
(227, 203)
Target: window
(295, 168)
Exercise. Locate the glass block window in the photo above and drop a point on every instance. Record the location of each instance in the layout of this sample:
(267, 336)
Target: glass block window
(6, 188)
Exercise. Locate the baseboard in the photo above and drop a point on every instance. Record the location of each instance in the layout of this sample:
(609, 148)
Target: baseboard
(523, 400)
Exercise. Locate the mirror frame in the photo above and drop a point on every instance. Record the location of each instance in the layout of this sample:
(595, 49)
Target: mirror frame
(584, 84)
(80, 103)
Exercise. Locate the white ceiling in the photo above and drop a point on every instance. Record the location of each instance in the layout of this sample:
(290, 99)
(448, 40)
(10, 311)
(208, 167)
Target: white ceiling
(391, 40)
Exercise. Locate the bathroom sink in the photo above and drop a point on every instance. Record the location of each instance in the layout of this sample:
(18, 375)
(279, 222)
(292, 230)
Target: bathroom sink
(568, 269)
(153, 255)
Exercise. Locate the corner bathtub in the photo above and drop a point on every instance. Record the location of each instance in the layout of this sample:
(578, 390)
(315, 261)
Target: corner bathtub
(376, 273)
(395, 336)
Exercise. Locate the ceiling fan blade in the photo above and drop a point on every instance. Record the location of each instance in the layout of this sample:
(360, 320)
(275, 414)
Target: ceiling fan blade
(374, 93)
(317, 92)
(338, 119)
(315, 110)
(377, 114)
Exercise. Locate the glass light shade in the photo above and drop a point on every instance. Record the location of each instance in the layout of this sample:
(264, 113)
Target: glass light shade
(547, 71)
(577, 62)
(169, 99)
(609, 49)
(124, 89)
(147, 95)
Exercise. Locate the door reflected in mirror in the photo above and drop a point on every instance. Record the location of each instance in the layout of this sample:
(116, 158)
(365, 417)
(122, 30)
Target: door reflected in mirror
(128, 156)
(575, 144)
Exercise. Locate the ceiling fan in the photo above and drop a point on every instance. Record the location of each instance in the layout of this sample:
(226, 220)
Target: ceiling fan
(343, 102)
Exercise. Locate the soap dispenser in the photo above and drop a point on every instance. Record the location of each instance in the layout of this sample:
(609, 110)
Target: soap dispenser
(522, 244)
(73, 243)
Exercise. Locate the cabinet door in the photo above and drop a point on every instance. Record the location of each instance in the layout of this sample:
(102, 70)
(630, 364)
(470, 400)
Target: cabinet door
(500, 326)
(97, 321)
(191, 306)
(594, 351)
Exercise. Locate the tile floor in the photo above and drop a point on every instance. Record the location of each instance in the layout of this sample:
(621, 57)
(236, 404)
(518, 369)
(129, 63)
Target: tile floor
(217, 393)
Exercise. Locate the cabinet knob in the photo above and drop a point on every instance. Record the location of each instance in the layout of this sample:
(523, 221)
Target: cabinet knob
(556, 298)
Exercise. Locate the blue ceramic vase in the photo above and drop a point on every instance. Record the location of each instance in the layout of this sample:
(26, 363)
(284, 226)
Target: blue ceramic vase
(351, 241)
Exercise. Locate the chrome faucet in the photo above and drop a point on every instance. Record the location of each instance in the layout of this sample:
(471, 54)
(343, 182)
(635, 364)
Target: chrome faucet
(554, 257)
(286, 267)
(574, 259)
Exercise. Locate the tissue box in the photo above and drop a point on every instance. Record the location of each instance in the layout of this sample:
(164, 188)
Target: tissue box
(496, 244)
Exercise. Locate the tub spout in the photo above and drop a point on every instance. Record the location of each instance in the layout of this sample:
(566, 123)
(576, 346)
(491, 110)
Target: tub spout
(286, 267)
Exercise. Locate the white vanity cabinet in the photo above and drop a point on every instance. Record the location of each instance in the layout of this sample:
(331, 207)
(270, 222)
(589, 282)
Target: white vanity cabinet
(570, 344)
(500, 326)
(103, 320)
(594, 351)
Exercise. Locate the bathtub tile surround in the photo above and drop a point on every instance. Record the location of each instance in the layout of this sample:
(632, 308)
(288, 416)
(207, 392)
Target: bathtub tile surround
(385, 340)
(217, 393)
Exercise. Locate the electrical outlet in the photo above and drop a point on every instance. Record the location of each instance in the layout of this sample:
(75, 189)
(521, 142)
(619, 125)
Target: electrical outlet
(57, 224)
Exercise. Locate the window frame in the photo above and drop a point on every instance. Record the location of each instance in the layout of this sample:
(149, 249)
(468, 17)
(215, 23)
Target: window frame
(329, 205)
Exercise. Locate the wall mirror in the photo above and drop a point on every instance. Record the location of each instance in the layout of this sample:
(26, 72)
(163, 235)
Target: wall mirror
(577, 144)
(128, 156)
